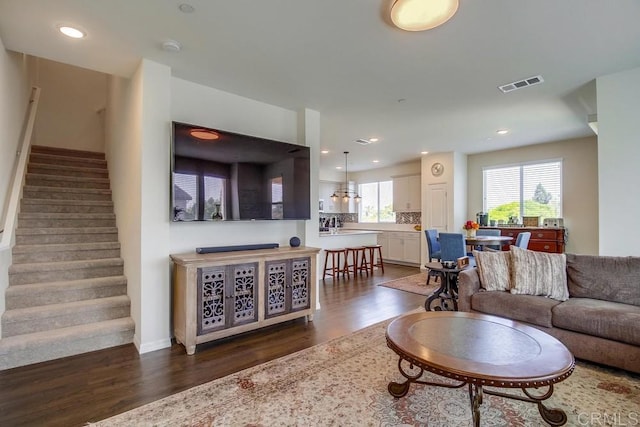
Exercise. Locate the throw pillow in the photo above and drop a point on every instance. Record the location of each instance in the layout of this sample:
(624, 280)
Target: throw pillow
(539, 273)
(494, 269)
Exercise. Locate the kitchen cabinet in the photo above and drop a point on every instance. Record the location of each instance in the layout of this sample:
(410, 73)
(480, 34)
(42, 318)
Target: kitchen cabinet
(407, 193)
(217, 295)
(383, 240)
(402, 247)
(543, 239)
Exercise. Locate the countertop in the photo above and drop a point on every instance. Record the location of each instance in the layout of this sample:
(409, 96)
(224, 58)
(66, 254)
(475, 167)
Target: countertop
(347, 232)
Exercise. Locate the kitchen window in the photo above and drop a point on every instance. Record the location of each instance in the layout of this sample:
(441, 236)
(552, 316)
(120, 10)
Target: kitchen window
(377, 202)
(527, 189)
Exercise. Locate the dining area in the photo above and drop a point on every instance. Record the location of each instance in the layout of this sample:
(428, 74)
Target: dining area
(451, 253)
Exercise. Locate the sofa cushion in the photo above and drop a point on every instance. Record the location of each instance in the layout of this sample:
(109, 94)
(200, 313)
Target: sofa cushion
(604, 319)
(525, 308)
(603, 277)
(494, 269)
(538, 273)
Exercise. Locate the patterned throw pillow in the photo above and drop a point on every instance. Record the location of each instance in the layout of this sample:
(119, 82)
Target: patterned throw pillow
(494, 269)
(539, 273)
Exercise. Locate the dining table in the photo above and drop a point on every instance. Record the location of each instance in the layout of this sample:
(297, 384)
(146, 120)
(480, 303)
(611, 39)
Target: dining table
(482, 240)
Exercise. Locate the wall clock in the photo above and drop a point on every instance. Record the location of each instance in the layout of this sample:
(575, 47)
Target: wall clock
(437, 169)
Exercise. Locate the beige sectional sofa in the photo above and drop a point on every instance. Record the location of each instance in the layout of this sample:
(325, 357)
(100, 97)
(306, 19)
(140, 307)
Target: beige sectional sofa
(600, 319)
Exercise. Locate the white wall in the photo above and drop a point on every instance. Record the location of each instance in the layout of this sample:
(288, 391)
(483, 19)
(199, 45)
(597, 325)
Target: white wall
(619, 160)
(15, 89)
(385, 174)
(138, 141)
(455, 179)
(579, 184)
(71, 111)
(123, 152)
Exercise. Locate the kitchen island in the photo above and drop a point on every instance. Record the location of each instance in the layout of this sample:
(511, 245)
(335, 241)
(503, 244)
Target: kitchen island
(344, 238)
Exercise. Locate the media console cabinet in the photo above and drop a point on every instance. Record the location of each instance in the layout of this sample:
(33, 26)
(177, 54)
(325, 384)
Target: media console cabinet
(217, 295)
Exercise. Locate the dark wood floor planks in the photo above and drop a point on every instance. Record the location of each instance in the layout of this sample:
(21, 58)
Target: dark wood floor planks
(94, 386)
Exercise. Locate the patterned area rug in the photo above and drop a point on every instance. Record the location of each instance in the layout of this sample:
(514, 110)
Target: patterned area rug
(344, 382)
(416, 283)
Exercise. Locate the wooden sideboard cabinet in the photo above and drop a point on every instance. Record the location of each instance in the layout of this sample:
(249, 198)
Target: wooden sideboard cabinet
(543, 239)
(222, 294)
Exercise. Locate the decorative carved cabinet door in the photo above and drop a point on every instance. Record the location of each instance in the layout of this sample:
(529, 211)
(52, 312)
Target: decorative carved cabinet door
(227, 296)
(287, 286)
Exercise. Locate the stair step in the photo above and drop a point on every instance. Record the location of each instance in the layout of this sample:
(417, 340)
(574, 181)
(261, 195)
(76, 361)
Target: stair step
(57, 170)
(38, 347)
(28, 320)
(67, 152)
(42, 272)
(57, 159)
(64, 252)
(65, 206)
(38, 294)
(43, 180)
(64, 193)
(64, 220)
(41, 236)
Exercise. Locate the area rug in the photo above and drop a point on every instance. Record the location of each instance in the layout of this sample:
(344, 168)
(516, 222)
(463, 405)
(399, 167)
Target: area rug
(416, 283)
(344, 383)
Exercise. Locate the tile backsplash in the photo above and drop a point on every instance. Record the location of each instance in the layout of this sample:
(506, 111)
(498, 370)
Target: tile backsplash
(401, 217)
(408, 217)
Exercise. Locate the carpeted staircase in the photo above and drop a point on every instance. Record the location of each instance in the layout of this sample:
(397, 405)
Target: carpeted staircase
(67, 293)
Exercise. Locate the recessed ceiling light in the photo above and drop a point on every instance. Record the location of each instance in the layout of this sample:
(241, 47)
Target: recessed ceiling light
(325, 151)
(74, 33)
(205, 134)
(376, 161)
(424, 152)
(373, 139)
(186, 8)
(338, 167)
(502, 131)
(171, 46)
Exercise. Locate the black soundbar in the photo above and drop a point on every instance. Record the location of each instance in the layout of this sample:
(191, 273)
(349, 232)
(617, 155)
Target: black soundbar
(212, 249)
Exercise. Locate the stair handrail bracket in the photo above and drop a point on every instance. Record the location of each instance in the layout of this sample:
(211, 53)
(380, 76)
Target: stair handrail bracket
(20, 166)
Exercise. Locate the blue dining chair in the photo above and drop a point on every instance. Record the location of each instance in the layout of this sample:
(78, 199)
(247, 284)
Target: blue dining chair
(522, 241)
(432, 244)
(433, 247)
(453, 246)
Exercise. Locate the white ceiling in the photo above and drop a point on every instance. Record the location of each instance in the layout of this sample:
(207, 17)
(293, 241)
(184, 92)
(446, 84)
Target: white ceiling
(425, 91)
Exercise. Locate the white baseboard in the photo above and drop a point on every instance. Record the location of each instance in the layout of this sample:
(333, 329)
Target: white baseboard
(151, 346)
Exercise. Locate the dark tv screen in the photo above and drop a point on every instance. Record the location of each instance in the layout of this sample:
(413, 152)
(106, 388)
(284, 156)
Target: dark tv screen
(224, 176)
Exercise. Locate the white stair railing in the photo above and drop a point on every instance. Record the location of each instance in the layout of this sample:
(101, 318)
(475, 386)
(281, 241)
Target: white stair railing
(20, 166)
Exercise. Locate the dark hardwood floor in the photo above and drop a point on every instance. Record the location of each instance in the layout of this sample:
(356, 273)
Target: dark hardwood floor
(94, 386)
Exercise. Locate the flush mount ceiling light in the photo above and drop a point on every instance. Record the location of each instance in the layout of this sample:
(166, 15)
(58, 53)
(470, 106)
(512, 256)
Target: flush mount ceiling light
(205, 134)
(74, 33)
(421, 15)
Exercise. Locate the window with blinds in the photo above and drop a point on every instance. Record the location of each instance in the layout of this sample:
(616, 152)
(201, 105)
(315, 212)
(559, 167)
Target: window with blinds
(532, 189)
(198, 197)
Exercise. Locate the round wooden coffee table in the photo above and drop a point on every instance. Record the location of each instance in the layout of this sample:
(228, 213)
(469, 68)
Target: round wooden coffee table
(480, 351)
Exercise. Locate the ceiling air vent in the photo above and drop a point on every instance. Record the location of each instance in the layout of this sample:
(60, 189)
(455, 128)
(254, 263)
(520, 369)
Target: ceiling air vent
(363, 141)
(530, 81)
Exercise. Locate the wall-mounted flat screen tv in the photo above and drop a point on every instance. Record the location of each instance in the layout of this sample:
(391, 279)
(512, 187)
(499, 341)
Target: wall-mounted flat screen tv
(224, 176)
